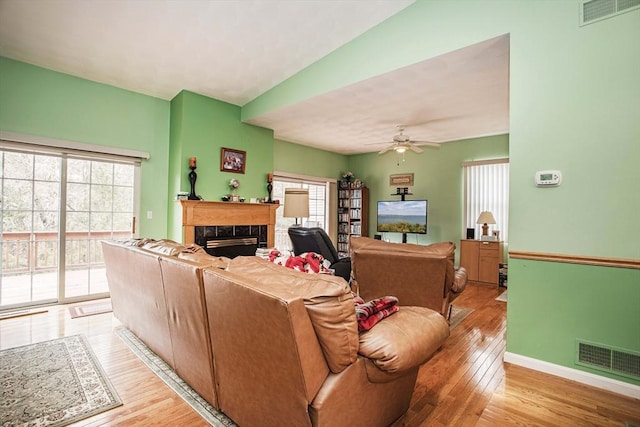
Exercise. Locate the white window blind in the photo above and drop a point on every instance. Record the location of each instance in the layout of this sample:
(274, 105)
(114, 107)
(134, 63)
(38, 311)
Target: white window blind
(486, 188)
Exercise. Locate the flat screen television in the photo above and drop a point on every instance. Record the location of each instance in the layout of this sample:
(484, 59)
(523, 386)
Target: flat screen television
(402, 216)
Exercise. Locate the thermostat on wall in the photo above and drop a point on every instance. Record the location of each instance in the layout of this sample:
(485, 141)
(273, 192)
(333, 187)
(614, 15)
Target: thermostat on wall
(548, 178)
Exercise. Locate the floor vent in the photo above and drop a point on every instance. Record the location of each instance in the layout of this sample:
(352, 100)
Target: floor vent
(616, 361)
(595, 10)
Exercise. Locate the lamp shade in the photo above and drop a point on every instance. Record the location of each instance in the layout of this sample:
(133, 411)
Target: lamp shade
(296, 203)
(486, 217)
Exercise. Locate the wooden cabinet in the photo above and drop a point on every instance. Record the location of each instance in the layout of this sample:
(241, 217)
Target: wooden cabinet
(481, 260)
(353, 214)
(469, 258)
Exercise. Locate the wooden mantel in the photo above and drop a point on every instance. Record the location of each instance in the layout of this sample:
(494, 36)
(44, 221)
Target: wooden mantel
(201, 213)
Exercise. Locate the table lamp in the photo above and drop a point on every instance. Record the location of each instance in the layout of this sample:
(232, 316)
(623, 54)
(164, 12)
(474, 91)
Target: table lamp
(485, 218)
(296, 203)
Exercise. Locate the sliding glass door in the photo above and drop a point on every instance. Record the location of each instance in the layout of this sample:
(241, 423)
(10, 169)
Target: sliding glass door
(55, 210)
(99, 206)
(30, 223)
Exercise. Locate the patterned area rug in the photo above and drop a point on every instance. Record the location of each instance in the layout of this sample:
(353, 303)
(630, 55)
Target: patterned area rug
(53, 383)
(177, 384)
(457, 315)
(90, 309)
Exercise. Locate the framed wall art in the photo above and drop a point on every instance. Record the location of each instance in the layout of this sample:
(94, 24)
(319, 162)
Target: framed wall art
(401, 180)
(232, 160)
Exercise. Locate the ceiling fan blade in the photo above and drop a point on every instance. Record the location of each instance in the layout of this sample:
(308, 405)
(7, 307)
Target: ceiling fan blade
(427, 143)
(389, 148)
(415, 149)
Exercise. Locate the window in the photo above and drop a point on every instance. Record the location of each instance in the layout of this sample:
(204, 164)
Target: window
(56, 206)
(318, 206)
(486, 188)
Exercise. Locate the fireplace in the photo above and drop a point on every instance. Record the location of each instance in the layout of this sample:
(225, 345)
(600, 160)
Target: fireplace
(231, 240)
(228, 228)
(233, 247)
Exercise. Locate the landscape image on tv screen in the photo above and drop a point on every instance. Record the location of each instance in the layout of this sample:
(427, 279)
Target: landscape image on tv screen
(408, 216)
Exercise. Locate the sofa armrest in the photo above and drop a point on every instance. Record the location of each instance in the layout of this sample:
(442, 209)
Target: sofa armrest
(405, 339)
(460, 280)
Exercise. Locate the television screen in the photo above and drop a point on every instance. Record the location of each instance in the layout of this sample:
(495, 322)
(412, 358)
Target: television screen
(409, 216)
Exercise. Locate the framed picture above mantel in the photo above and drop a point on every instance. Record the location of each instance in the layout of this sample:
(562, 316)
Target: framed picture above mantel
(232, 160)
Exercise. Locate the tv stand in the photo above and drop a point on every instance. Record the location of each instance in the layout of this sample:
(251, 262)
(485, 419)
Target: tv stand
(402, 195)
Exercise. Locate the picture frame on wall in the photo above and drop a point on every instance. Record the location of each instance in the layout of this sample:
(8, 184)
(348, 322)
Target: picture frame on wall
(401, 180)
(232, 160)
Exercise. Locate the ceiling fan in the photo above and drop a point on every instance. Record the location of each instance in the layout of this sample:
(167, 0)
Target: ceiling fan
(401, 143)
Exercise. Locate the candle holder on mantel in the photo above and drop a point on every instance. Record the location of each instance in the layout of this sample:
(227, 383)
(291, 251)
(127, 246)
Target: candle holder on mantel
(269, 187)
(193, 176)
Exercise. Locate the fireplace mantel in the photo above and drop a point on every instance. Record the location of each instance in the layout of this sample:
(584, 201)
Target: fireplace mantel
(201, 213)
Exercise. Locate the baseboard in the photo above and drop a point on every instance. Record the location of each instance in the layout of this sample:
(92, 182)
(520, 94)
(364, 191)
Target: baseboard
(587, 378)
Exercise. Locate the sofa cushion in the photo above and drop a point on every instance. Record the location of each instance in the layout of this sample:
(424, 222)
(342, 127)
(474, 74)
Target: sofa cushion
(404, 340)
(163, 247)
(205, 260)
(132, 242)
(197, 254)
(328, 301)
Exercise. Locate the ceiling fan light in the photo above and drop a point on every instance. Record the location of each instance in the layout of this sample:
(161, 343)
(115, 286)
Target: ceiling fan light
(400, 150)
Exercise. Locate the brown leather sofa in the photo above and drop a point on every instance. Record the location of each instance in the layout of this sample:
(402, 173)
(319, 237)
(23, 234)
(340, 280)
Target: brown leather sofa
(417, 275)
(157, 293)
(266, 345)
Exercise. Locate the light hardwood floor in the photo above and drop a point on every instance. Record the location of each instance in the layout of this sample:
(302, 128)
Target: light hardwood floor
(465, 384)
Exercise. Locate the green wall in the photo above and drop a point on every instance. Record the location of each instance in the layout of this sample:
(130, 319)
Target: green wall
(574, 106)
(557, 303)
(201, 126)
(298, 159)
(36, 101)
(438, 178)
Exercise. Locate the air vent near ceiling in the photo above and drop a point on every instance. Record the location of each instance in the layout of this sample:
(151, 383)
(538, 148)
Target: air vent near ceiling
(604, 358)
(595, 10)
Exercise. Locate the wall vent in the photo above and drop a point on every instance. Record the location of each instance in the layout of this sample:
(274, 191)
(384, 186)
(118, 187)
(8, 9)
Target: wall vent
(609, 359)
(596, 10)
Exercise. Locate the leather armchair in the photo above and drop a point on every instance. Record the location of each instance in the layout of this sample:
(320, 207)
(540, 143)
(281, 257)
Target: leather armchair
(316, 240)
(417, 275)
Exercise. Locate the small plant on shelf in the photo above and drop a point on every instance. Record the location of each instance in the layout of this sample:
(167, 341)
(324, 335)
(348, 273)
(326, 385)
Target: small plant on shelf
(348, 175)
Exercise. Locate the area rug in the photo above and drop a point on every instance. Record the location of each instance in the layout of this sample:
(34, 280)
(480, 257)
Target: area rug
(53, 383)
(90, 309)
(177, 384)
(502, 297)
(458, 314)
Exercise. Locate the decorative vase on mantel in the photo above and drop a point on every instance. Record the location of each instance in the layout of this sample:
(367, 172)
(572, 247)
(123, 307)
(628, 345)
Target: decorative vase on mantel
(233, 185)
(193, 176)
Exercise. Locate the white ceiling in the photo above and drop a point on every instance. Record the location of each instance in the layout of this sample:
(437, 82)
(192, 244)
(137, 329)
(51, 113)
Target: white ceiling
(235, 50)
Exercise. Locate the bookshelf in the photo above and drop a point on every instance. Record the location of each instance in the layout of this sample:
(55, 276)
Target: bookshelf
(353, 213)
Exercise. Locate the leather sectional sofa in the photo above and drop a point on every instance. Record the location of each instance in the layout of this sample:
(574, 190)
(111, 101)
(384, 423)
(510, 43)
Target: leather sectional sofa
(267, 345)
(417, 275)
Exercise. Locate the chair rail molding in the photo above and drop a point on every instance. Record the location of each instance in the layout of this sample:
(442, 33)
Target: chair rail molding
(577, 259)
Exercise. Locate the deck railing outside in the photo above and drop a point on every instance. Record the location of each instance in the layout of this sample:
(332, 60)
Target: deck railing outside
(38, 252)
